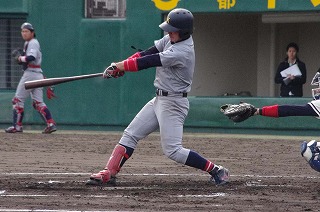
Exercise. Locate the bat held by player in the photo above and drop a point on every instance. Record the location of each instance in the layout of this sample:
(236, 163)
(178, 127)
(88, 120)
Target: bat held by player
(55, 81)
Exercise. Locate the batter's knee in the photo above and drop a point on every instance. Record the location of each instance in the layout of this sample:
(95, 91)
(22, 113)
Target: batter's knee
(176, 153)
(170, 152)
(129, 140)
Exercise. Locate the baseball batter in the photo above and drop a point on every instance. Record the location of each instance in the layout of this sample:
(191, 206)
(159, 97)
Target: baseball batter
(174, 57)
(31, 64)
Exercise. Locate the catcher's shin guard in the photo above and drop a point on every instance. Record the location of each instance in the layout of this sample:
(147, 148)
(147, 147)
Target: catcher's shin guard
(43, 111)
(119, 155)
(46, 116)
(18, 113)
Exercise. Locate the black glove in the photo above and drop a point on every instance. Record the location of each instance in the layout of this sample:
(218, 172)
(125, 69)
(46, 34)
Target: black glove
(16, 53)
(238, 113)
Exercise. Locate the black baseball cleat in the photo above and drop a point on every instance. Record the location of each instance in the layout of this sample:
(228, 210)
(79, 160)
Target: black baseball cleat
(94, 182)
(99, 182)
(219, 175)
(50, 129)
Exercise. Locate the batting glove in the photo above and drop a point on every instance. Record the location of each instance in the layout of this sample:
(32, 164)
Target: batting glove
(112, 71)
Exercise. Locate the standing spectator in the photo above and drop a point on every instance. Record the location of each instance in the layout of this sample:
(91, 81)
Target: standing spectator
(291, 86)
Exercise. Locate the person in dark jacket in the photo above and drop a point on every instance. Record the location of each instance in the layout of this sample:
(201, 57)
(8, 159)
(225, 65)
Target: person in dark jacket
(291, 86)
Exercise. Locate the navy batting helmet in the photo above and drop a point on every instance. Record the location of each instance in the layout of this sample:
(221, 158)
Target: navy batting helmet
(179, 20)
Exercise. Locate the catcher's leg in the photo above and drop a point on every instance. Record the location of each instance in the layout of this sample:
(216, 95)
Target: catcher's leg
(41, 107)
(118, 157)
(46, 116)
(18, 105)
(18, 112)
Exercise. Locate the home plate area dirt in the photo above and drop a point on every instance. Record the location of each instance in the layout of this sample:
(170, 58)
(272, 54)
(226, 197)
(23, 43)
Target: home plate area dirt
(48, 173)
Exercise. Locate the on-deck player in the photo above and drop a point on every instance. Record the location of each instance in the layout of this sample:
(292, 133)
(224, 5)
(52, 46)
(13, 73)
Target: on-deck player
(31, 64)
(174, 57)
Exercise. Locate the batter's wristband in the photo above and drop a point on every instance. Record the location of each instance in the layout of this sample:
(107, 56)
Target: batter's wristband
(135, 55)
(131, 64)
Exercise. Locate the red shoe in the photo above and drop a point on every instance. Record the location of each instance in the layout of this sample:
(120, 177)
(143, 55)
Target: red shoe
(101, 178)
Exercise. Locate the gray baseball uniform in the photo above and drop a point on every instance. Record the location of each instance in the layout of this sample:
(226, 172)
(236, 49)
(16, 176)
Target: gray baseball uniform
(31, 65)
(32, 71)
(174, 57)
(167, 112)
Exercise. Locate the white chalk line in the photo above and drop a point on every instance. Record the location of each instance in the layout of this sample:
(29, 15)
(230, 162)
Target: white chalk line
(55, 195)
(248, 184)
(109, 196)
(4, 194)
(158, 174)
(200, 195)
(258, 183)
(44, 210)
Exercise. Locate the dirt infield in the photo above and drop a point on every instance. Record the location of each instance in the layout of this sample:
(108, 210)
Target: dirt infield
(47, 172)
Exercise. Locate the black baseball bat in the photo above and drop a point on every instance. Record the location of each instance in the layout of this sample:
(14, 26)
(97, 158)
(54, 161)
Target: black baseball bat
(55, 81)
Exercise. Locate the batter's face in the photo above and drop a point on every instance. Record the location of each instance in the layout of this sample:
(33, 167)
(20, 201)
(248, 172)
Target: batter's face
(292, 53)
(27, 34)
(174, 36)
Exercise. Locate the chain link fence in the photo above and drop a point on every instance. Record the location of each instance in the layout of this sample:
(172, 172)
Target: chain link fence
(10, 39)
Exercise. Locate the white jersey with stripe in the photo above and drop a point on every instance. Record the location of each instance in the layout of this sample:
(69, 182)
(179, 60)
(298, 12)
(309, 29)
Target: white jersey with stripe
(33, 49)
(178, 62)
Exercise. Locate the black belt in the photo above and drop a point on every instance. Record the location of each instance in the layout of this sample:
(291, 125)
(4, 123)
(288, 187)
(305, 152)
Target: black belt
(160, 92)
